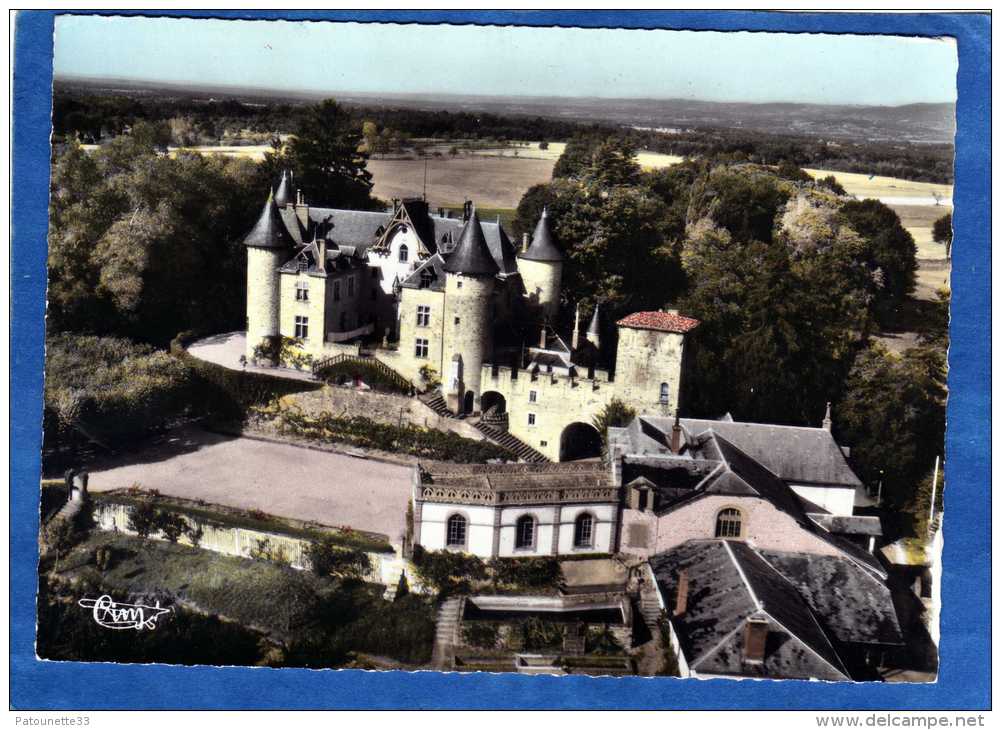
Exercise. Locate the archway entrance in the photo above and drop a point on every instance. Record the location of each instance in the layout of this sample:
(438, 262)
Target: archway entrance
(493, 399)
(467, 402)
(579, 441)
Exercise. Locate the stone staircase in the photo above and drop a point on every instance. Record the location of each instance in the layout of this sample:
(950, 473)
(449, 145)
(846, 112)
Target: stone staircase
(446, 629)
(650, 609)
(436, 402)
(513, 444)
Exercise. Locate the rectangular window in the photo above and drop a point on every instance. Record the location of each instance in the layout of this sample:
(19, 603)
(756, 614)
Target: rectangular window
(457, 320)
(301, 327)
(532, 396)
(531, 419)
(423, 315)
(337, 291)
(351, 286)
(302, 291)
(421, 348)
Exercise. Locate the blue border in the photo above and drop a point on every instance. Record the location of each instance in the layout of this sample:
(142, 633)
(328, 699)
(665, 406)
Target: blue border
(964, 682)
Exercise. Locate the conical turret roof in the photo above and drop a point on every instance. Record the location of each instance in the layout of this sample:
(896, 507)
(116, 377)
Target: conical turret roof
(595, 327)
(269, 231)
(283, 195)
(543, 247)
(471, 254)
(503, 251)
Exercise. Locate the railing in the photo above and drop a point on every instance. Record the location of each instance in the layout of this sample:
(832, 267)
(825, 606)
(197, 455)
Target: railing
(322, 367)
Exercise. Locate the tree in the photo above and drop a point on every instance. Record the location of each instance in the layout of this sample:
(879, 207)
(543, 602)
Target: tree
(144, 518)
(327, 558)
(576, 157)
(893, 417)
(890, 248)
(941, 232)
(325, 153)
(615, 414)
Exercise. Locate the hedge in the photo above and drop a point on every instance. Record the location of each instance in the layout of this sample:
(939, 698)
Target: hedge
(403, 439)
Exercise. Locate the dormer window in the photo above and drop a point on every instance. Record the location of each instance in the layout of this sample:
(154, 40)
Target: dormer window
(427, 278)
(665, 393)
(404, 253)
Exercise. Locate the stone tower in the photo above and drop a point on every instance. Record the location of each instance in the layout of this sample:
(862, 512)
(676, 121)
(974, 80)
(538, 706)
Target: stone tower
(269, 245)
(468, 325)
(541, 267)
(649, 359)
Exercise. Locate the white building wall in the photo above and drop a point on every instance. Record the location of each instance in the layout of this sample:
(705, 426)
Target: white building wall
(604, 522)
(481, 528)
(544, 516)
(836, 500)
(390, 265)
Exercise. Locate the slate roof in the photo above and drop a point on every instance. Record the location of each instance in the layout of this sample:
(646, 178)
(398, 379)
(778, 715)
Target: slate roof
(660, 321)
(542, 247)
(471, 254)
(853, 605)
(799, 455)
(284, 194)
(868, 525)
(269, 231)
(502, 250)
(437, 265)
(729, 583)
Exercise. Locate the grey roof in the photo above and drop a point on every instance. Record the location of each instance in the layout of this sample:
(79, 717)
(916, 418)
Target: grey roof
(350, 227)
(283, 195)
(868, 525)
(799, 455)
(502, 250)
(269, 231)
(729, 583)
(436, 265)
(854, 606)
(542, 247)
(595, 327)
(471, 254)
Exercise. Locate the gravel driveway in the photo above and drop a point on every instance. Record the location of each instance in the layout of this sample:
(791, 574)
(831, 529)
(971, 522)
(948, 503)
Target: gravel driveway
(283, 480)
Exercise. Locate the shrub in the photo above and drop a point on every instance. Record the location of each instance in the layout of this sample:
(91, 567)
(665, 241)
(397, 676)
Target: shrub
(402, 439)
(144, 518)
(171, 525)
(448, 572)
(543, 572)
(482, 634)
(326, 558)
(265, 549)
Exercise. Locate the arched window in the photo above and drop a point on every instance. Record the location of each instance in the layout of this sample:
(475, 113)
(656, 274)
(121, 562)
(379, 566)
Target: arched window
(455, 533)
(728, 523)
(524, 532)
(665, 393)
(583, 531)
(404, 253)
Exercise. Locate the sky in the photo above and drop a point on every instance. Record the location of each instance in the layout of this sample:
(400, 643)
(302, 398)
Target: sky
(509, 61)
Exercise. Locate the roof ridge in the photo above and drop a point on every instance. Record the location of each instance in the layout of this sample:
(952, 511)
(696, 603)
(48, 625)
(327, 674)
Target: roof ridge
(733, 559)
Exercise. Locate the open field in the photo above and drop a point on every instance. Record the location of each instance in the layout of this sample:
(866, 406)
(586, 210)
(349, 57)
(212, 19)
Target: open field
(286, 481)
(490, 182)
(891, 190)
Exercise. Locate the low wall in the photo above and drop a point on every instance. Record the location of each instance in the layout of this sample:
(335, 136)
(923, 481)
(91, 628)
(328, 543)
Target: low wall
(241, 542)
(386, 408)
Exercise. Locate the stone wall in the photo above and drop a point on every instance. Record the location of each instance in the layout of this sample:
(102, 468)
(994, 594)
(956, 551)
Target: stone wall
(761, 523)
(404, 361)
(542, 281)
(645, 359)
(382, 407)
(242, 542)
(263, 303)
(468, 332)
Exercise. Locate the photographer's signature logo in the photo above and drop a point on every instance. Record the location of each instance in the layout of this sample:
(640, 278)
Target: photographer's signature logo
(113, 615)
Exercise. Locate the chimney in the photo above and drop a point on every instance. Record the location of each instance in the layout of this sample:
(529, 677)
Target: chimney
(681, 597)
(676, 434)
(575, 340)
(396, 204)
(827, 418)
(467, 210)
(301, 209)
(542, 337)
(321, 264)
(441, 212)
(755, 636)
(525, 241)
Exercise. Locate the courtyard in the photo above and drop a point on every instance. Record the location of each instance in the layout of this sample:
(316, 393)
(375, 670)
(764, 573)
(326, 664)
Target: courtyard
(279, 479)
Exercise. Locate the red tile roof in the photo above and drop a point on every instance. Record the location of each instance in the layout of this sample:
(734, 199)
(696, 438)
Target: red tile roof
(662, 321)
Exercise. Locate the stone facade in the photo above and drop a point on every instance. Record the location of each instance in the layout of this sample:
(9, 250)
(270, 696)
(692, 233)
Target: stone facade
(467, 339)
(263, 299)
(542, 280)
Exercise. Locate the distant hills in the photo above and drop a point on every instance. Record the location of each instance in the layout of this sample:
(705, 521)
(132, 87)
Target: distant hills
(920, 123)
